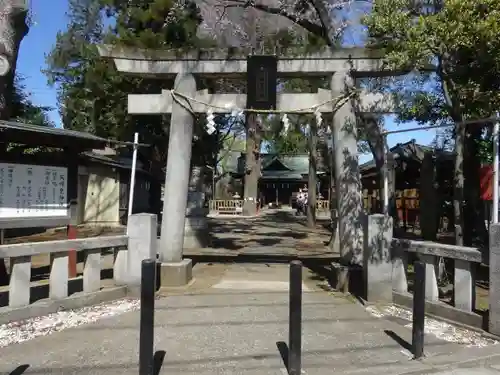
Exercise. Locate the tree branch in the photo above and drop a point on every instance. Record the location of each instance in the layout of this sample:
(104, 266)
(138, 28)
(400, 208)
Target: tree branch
(326, 20)
(306, 24)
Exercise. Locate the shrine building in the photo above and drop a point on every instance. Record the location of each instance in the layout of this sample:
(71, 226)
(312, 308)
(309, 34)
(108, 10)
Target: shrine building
(281, 176)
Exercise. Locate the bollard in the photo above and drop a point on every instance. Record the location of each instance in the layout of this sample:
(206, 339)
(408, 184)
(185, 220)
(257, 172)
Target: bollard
(146, 333)
(418, 310)
(295, 319)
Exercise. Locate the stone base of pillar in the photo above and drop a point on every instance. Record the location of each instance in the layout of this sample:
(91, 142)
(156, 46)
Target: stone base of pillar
(176, 274)
(196, 232)
(377, 262)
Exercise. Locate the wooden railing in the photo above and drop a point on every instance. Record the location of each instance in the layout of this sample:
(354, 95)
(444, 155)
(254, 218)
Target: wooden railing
(226, 206)
(20, 264)
(429, 252)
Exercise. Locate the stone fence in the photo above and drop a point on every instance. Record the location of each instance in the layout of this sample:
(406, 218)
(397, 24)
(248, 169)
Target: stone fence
(129, 250)
(387, 273)
(462, 305)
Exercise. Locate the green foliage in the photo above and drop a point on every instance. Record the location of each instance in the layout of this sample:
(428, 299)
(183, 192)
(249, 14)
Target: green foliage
(460, 39)
(88, 87)
(24, 110)
(485, 154)
(293, 142)
(92, 94)
(155, 24)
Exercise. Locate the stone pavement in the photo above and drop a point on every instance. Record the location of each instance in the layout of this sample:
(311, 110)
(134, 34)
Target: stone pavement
(232, 321)
(274, 233)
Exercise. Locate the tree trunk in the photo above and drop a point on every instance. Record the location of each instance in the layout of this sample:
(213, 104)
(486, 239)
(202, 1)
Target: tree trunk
(449, 93)
(458, 190)
(333, 244)
(378, 147)
(13, 28)
(429, 204)
(252, 166)
(312, 177)
(474, 228)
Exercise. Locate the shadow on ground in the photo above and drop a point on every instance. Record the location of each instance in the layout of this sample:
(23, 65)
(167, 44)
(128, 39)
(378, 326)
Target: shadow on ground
(277, 228)
(158, 359)
(19, 370)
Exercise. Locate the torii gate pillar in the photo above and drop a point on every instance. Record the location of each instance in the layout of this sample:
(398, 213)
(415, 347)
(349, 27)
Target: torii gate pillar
(175, 270)
(347, 178)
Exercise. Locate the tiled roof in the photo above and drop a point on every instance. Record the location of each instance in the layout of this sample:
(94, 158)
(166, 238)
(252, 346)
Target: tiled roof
(48, 136)
(287, 167)
(408, 151)
(281, 175)
(113, 161)
(46, 130)
(296, 163)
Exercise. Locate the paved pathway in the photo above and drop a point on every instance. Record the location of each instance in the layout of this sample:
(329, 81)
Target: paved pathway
(232, 321)
(275, 233)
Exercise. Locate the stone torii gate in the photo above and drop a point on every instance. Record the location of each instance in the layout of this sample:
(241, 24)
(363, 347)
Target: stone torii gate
(180, 227)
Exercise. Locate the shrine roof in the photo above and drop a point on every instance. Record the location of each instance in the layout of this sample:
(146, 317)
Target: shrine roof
(113, 161)
(273, 166)
(298, 163)
(293, 166)
(281, 175)
(35, 135)
(406, 151)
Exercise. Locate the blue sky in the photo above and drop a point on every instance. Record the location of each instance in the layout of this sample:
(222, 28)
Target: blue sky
(49, 19)
(42, 35)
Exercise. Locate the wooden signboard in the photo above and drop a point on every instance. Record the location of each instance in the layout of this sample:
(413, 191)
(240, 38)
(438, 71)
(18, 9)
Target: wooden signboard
(31, 191)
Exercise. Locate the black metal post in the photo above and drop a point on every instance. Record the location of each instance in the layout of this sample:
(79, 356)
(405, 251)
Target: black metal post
(418, 310)
(146, 333)
(295, 319)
